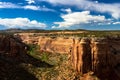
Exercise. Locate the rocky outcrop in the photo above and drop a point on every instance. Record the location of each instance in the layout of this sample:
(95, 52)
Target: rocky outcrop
(11, 48)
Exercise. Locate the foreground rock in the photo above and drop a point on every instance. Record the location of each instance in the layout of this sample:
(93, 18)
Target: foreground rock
(11, 47)
(12, 52)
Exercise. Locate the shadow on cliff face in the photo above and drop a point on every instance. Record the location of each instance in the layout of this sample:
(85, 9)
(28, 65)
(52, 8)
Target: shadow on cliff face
(106, 65)
(12, 55)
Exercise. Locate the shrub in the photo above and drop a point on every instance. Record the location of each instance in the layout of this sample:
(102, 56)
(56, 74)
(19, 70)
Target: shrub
(32, 49)
(44, 57)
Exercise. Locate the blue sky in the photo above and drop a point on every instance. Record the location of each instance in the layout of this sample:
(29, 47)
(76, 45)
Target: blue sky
(60, 14)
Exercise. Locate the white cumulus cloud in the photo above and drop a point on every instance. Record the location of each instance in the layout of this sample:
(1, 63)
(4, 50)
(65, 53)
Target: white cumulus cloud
(111, 8)
(21, 23)
(77, 18)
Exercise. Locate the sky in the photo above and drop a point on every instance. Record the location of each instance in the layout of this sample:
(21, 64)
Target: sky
(60, 14)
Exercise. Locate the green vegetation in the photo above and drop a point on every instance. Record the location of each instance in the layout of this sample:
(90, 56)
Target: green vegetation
(32, 49)
(44, 57)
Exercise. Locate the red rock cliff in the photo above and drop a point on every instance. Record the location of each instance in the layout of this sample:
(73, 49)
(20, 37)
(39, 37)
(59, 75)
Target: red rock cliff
(97, 55)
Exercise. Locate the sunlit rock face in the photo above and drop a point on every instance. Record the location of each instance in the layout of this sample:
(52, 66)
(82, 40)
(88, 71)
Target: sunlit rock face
(55, 45)
(81, 55)
(28, 38)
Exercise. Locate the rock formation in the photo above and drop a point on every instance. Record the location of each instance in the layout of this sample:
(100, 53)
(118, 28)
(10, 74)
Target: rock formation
(95, 55)
(12, 49)
(81, 55)
(99, 55)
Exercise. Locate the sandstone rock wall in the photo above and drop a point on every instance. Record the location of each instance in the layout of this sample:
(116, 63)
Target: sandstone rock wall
(81, 55)
(55, 45)
(28, 38)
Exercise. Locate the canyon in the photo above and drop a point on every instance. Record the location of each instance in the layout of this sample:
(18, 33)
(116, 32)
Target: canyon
(101, 55)
(98, 55)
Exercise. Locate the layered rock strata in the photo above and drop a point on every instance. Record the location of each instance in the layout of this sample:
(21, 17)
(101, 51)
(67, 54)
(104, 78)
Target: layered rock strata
(55, 45)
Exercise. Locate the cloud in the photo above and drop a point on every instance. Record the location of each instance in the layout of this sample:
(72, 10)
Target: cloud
(44, 8)
(116, 22)
(112, 9)
(67, 10)
(77, 18)
(8, 5)
(30, 1)
(21, 23)
(37, 8)
(30, 7)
